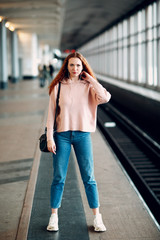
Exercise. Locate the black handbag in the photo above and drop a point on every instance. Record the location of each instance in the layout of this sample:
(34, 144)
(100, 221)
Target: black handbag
(43, 137)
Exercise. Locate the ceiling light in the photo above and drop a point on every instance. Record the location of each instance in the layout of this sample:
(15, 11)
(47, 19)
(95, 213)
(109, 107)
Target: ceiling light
(7, 24)
(11, 28)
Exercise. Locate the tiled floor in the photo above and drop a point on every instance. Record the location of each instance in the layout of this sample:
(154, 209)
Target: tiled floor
(22, 108)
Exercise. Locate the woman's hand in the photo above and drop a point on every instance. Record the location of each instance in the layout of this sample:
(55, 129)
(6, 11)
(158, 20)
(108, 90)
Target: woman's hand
(85, 76)
(51, 146)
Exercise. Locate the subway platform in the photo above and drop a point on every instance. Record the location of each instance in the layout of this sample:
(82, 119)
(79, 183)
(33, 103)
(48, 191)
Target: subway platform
(26, 175)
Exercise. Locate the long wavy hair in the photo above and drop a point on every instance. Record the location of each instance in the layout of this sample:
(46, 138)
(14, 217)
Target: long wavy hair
(63, 73)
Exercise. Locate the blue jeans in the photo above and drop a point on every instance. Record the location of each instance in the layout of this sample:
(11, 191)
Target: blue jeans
(82, 145)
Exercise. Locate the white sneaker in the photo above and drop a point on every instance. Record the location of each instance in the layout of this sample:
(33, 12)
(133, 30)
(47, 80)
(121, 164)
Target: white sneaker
(98, 224)
(53, 223)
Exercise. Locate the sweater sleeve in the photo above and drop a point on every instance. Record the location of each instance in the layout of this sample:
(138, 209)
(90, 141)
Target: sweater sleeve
(51, 114)
(100, 94)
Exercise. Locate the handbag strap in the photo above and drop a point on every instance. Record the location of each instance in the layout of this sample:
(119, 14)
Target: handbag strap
(57, 103)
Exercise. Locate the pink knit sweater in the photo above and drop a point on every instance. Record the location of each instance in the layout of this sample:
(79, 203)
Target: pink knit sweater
(78, 106)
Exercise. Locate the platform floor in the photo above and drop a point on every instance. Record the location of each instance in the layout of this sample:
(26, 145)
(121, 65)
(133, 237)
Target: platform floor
(21, 119)
(124, 214)
(22, 108)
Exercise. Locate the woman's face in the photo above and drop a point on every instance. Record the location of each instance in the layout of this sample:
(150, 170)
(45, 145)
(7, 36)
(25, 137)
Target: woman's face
(74, 67)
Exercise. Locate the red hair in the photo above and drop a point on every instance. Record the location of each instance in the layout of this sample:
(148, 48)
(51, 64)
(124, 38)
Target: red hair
(63, 73)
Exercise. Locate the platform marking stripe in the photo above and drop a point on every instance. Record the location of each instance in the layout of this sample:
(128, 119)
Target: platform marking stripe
(15, 170)
(14, 179)
(72, 221)
(16, 161)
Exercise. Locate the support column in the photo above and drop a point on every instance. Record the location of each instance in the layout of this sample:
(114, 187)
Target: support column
(28, 53)
(3, 56)
(15, 64)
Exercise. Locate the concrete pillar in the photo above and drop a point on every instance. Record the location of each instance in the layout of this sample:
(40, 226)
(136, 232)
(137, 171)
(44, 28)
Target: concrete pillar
(14, 59)
(3, 56)
(28, 53)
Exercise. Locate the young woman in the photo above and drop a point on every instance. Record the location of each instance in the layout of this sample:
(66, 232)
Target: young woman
(80, 94)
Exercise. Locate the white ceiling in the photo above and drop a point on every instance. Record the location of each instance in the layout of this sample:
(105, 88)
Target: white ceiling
(44, 17)
(84, 19)
(66, 23)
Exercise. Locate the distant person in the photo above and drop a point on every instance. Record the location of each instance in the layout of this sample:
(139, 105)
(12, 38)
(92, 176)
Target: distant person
(51, 70)
(80, 94)
(45, 73)
(41, 75)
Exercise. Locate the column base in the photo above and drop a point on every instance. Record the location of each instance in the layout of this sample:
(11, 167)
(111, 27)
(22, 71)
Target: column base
(3, 85)
(14, 79)
(29, 77)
